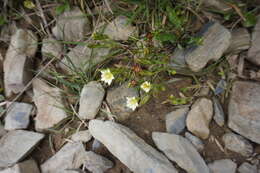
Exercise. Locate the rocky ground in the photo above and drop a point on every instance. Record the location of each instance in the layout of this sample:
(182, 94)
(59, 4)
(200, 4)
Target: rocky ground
(57, 117)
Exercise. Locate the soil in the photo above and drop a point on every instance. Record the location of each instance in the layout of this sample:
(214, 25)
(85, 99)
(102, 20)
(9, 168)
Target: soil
(147, 119)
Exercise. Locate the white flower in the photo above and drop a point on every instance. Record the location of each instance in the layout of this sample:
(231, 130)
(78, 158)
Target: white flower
(107, 76)
(146, 86)
(132, 102)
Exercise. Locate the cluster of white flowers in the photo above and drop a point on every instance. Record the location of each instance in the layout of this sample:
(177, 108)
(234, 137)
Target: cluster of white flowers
(131, 102)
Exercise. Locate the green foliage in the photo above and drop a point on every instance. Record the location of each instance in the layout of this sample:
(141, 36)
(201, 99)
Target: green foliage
(179, 101)
(2, 20)
(250, 19)
(63, 7)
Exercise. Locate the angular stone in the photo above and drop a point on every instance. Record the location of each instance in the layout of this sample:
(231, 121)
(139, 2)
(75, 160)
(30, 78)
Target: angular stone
(51, 48)
(247, 168)
(175, 120)
(18, 116)
(129, 148)
(28, 166)
(16, 145)
(178, 59)
(70, 156)
(120, 29)
(240, 40)
(198, 144)
(254, 51)
(199, 117)
(49, 105)
(218, 5)
(181, 151)
(223, 166)
(237, 144)
(243, 110)
(216, 40)
(91, 98)
(22, 47)
(81, 136)
(116, 98)
(219, 115)
(82, 57)
(71, 25)
(96, 163)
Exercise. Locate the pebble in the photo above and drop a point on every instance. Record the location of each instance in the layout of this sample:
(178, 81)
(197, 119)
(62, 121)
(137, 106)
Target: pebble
(51, 48)
(198, 144)
(240, 40)
(181, 151)
(223, 166)
(219, 115)
(247, 168)
(130, 149)
(81, 136)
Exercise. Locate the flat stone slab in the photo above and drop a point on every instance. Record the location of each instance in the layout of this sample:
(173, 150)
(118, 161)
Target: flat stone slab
(51, 48)
(91, 98)
(18, 116)
(131, 150)
(70, 156)
(216, 40)
(49, 105)
(28, 166)
(198, 144)
(16, 145)
(240, 40)
(243, 110)
(181, 151)
(223, 166)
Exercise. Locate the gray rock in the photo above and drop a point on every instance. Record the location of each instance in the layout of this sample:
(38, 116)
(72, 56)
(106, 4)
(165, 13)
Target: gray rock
(254, 51)
(129, 148)
(175, 120)
(237, 143)
(81, 136)
(178, 59)
(120, 29)
(71, 171)
(18, 116)
(240, 40)
(91, 98)
(71, 25)
(116, 98)
(198, 144)
(16, 145)
(181, 151)
(223, 166)
(70, 156)
(221, 87)
(22, 47)
(49, 105)
(96, 144)
(28, 166)
(243, 110)
(205, 91)
(51, 48)
(96, 163)
(199, 117)
(247, 168)
(82, 57)
(219, 115)
(2, 130)
(218, 5)
(216, 40)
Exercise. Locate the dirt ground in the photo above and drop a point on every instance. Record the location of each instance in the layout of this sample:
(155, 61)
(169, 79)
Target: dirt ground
(147, 119)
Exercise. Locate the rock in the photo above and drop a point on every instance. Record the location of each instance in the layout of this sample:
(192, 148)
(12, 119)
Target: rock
(254, 51)
(198, 144)
(2, 130)
(71, 171)
(16, 145)
(129, 148)
(199, 117)
(178, 59)
(240, 40)
(181, 151)
(18, 116)
(22, 47)
(205, 91)
(223, 166)
(96, 163)
(72, 25)
(82, 57)
(247, 168)
(220, 88)
(243, 110)
(51, 48)
(237, 144)
(219, 115)
(95, 145)
(175, 120)
(218, 5)
(28, 166)
(49, 105)
(91, 98)
(116, 98)
(81, 136)
(120, 29)
(70, 156)
(216, 40)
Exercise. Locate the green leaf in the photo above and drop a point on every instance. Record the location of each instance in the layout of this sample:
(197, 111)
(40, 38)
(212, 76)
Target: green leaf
(61, 8)
(144, 100)
(166, 37)
(28, 4)
(250, 19)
